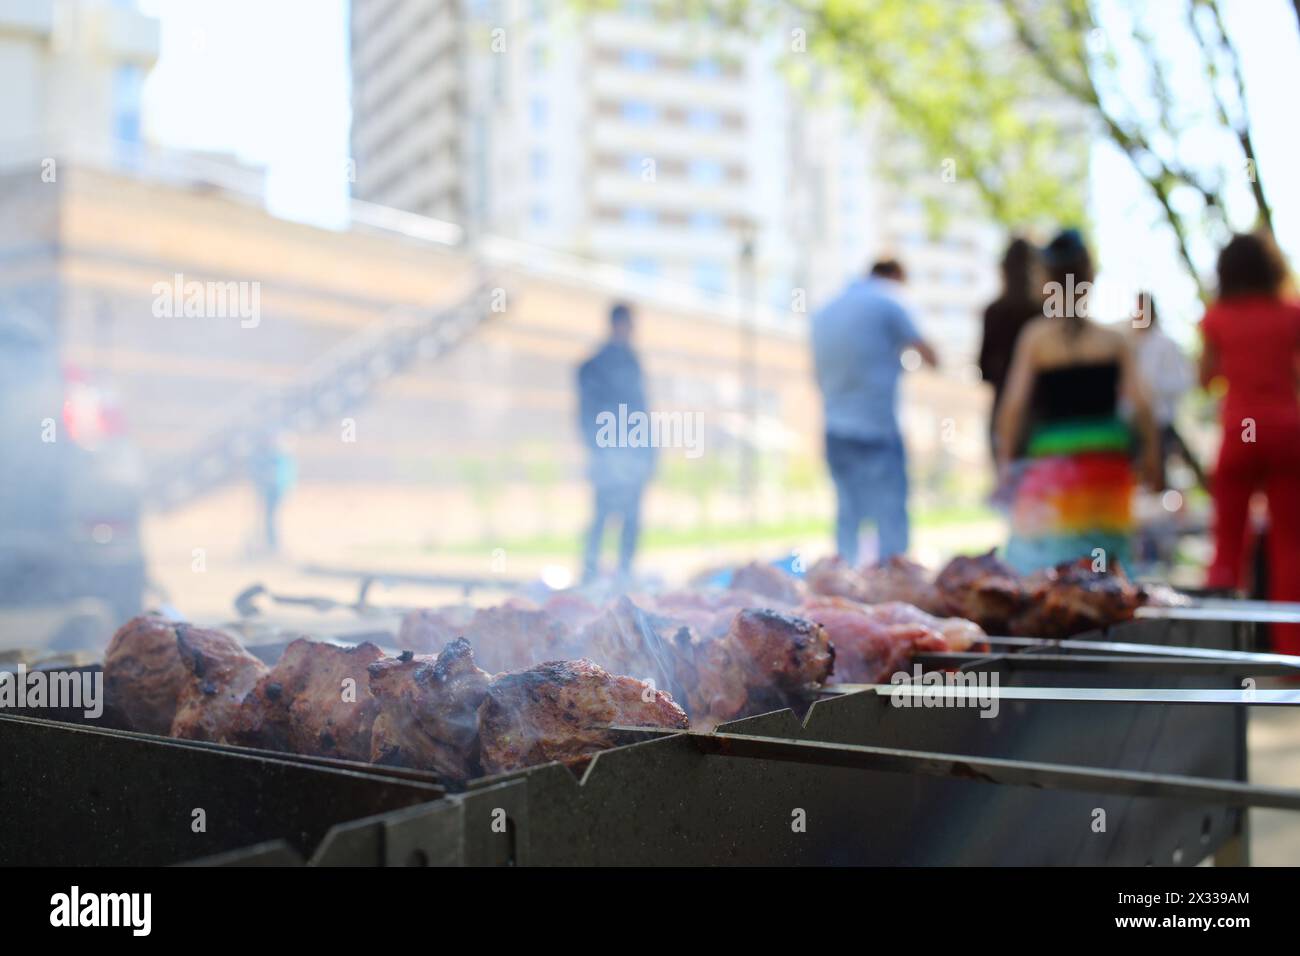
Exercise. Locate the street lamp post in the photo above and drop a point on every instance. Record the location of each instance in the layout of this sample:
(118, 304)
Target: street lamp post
(749, 369)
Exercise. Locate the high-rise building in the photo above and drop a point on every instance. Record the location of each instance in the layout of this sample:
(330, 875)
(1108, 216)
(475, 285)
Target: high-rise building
(664, 147)
(71, 72)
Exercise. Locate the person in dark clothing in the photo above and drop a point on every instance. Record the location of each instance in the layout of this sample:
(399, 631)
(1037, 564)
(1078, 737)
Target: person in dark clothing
(1019, 304)
(611, 390)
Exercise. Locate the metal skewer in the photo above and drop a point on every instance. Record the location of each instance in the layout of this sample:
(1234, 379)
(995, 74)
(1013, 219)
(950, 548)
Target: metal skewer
(1119, 663)
(1143, 650)
(995, 770)
(1106, 695)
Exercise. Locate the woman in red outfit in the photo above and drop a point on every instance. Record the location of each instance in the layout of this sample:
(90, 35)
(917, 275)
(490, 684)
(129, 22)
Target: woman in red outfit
(1252, 339)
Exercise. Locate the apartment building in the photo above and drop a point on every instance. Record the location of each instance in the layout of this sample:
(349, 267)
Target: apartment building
(70, 76)
(663, 147)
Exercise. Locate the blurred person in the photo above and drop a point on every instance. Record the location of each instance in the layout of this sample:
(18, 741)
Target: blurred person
(1252, 340)
(1073, 485)
(274, 473)
(610, 385)
(858, 340)
(1168, 376)
(1020, 302)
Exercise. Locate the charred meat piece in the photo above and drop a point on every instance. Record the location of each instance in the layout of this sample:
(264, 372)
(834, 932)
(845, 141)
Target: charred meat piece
(428, 711)
(1072, 598)
(765, 661)
(874, 641)
(769, 582)
(899, 579)
(790, 655)
(762, 660)
(627, 639)
(315, 701)
(144, 674)
(571, 609)
(512, 637)
(981, 589)
(708, 613)
(428, 629)
(834, 577)
(563, 710)
(219, 674)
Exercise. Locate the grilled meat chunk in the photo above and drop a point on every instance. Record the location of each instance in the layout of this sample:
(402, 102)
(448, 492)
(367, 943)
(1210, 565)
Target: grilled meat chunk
(510, 636)
(428, 711)
(563, 710)
(316, 701)
(707, 613)
(1071, 598)
(790, 655)
(627, 639)
(765, 661)
(874, 641)
(219, 674)
(834, 577)
(769, 582)
(762, 660)
(572, 609)
(427, 629)
(899, 579)
(981, 589)
(144, 674)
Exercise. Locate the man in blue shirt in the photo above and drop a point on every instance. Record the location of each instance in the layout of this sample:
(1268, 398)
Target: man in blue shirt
(858, 339)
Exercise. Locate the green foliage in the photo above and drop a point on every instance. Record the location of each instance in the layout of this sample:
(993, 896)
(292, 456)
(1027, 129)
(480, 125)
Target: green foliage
(1006, 95)
(963, 113)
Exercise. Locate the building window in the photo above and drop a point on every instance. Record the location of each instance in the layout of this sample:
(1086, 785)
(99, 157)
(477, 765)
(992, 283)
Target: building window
(539, 214)
(537, 109)
(710, 277)
(637, 111)
(639, 217)
(127, 83)
(705, 172)
(706, 221)
(702, 119)
(537, 162)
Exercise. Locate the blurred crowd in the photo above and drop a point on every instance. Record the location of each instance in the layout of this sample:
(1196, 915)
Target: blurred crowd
(1085, 411)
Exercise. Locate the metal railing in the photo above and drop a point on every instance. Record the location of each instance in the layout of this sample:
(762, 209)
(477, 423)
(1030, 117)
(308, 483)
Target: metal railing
(340, 380)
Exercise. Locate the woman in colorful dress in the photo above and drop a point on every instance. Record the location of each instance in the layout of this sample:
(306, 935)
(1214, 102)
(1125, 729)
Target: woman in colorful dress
(1252, 340)
(1061, 439)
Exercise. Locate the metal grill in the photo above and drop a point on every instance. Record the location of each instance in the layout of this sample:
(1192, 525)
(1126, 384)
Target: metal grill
(1123, 748)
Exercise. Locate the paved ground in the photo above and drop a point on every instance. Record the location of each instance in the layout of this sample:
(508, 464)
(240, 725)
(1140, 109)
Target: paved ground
(1274, 739)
